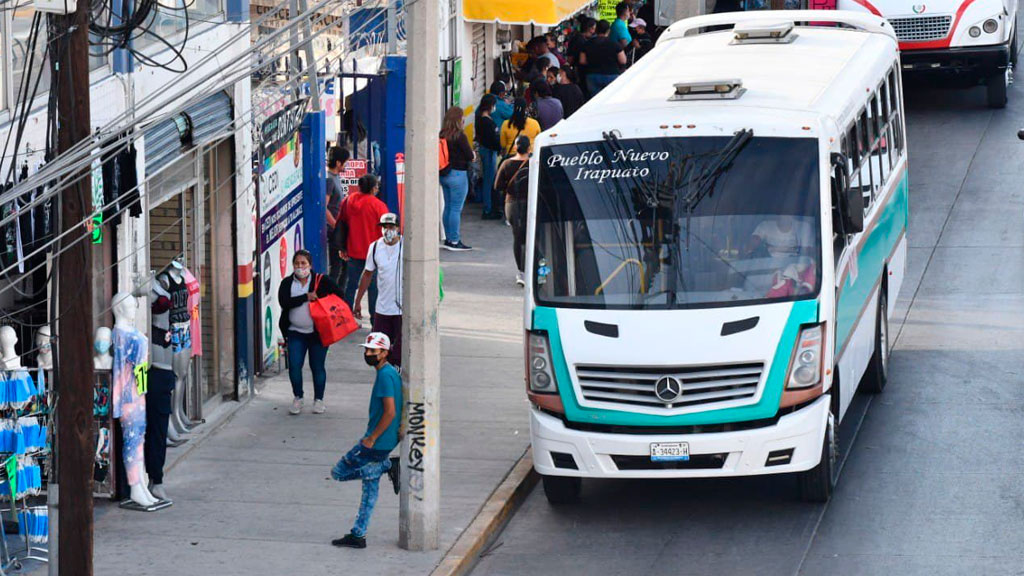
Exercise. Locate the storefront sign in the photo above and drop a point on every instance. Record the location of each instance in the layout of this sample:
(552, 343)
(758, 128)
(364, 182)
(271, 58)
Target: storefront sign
(280, 219)
(280, 127)
(606, 10)
(350, 175)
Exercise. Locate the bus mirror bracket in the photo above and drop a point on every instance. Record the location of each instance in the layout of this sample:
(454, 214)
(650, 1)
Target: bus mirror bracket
(851, 202)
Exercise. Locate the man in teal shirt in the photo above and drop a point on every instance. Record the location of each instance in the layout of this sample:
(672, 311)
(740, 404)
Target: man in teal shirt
(620, 27)
(368, 460)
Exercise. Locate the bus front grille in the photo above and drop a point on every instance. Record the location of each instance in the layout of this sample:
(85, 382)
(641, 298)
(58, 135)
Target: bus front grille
(682, 386)
(921, 28)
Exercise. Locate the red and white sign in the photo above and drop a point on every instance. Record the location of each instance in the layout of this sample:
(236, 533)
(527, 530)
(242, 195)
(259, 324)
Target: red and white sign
(351, 173)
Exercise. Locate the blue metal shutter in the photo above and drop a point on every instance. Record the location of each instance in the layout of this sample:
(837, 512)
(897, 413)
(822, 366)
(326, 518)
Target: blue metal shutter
(211, 120)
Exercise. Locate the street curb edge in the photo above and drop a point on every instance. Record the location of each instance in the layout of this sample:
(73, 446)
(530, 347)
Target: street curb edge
(491, 518)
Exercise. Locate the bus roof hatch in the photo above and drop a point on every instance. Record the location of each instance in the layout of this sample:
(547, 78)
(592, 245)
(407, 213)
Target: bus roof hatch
(763, 33)
(709, 90)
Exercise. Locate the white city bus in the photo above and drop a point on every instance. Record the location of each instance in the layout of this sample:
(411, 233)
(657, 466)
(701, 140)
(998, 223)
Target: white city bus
(713, 244)
(958, 42)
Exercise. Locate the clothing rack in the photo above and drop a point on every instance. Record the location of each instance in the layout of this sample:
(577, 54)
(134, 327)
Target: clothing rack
(26, 435)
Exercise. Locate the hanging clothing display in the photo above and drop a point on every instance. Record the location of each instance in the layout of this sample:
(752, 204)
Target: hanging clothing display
(129, 395)
(120, 186)
(180, 316)
(194, 298)
(17, 389)
(160, 333)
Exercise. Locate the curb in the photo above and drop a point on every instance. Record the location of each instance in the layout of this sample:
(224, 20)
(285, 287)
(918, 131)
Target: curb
(491, 518)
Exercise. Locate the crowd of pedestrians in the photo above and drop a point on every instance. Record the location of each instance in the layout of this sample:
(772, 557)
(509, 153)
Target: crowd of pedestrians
(549, 87)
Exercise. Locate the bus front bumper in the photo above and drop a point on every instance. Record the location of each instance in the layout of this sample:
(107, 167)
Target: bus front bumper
(972, 64)
(557, 448)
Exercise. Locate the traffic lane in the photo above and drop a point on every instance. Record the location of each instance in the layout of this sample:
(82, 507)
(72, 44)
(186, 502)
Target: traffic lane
(933, 485)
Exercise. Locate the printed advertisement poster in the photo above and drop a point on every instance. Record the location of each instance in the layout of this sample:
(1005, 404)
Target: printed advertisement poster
(280, 234)
(350, 175)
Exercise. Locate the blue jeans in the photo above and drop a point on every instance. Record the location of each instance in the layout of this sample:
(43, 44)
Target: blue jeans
(353, 273)
(455, 186)
(368, 465)
(598, 82)
(298, 345)
(489, 161)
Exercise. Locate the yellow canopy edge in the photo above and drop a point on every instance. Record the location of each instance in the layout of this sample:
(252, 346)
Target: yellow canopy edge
(539, 12)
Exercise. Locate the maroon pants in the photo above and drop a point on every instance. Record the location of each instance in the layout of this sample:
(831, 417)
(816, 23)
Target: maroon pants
(392, 326)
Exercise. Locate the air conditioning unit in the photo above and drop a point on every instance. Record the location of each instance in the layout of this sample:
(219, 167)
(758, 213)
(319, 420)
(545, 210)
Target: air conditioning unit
(55, 6)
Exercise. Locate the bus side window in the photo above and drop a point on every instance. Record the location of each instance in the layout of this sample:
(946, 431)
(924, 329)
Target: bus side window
(879, 164)
(867, 178)
(895, 100)
(886, 118)
(853, 155)
(838, 237)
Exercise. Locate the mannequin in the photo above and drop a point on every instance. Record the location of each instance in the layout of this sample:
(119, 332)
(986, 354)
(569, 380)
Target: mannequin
(44, 346)
(180, 326)
(130, 350)
(163, 347)
(102, 360)
(8, 340)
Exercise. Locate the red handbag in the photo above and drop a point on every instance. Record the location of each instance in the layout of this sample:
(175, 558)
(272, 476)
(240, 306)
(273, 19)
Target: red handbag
(332, 317)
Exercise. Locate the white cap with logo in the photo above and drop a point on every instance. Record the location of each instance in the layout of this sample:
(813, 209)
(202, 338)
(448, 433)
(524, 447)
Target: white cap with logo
(377, 341)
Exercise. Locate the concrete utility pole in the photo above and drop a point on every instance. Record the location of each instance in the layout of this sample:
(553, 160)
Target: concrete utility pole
(74, 456)
(421, 372)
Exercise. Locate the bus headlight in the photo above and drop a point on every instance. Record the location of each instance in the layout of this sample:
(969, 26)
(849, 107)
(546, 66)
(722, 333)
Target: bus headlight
(805, 369)
(990, 26)
(540, 377)
(974, 31)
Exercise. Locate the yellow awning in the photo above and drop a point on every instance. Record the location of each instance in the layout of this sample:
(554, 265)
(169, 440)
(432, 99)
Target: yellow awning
(539, 12)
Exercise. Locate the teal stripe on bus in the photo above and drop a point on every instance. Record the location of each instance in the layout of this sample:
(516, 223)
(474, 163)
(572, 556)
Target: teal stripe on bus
(874, 252)
(803, 312)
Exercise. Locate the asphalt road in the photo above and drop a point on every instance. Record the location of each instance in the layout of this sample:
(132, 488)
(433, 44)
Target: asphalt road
(933, 469)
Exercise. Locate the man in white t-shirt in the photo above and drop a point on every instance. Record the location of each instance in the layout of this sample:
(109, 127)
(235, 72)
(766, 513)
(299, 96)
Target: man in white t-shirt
(384, 257)
(782, 236)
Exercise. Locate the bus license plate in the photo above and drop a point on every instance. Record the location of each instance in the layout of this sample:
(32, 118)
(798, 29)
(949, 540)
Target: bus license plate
(670, 451)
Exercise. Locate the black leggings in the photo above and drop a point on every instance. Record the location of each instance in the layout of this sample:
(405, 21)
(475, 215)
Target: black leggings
(515, 211)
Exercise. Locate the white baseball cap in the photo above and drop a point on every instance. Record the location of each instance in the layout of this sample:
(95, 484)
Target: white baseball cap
(389, 219)
(377, 341)
(638, 23)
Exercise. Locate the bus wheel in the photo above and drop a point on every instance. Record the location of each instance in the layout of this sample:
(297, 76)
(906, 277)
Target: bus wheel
(877, 373)
(817, 484)
(996, 87)
(562, 489)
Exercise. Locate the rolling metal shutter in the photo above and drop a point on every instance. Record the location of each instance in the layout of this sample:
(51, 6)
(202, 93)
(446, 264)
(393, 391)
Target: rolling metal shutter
(478, 43)
(210, 119)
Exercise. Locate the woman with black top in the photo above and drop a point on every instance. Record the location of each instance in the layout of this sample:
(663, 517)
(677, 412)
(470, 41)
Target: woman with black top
(513, 181)
(489, 147)
(300, 288)
(455, 179)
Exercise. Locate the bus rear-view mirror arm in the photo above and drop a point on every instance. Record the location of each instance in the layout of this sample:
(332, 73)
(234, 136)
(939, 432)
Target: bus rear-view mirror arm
(851, 201)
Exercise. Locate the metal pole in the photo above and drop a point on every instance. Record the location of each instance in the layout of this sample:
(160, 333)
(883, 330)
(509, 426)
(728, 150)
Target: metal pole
(421, 447)
(70, 73)
(314, 84)
(392, 27)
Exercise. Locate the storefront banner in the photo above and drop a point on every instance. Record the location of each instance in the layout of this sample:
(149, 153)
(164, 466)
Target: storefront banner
(280, 233)
(282, 126)
(350, 175)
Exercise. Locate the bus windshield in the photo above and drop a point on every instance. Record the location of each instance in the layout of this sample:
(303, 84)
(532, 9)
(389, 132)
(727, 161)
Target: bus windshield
(666, 223)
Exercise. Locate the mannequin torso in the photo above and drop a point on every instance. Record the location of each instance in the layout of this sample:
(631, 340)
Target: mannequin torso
(8, 356)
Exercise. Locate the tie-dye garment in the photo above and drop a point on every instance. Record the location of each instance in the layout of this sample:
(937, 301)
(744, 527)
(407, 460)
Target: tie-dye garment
(129, 404)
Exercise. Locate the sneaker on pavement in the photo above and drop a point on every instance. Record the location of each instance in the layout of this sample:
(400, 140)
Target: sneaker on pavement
(459, 247)
(447, 245)
(519, 279)
(395, 474)
(350, 541)
(296, 406)
(318, 407)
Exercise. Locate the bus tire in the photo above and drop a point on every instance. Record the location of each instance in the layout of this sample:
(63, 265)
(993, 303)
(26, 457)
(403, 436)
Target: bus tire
(995, 86)
(561, 490)
(877, 374)
(817, 484)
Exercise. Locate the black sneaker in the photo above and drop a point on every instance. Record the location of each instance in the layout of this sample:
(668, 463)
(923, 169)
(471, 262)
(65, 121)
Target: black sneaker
(395, 474)
(350, 541)
(460, 247)
(447, 245)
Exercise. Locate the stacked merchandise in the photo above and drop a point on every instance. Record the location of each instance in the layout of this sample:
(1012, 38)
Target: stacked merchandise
(24, 450)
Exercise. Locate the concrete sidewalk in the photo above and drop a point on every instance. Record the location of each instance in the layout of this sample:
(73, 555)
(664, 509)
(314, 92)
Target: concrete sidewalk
(255, 496)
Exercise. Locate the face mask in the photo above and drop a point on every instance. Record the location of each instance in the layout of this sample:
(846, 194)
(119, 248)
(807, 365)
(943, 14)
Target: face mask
(302, 273)
(370, 359)
(102, 346)
(390, 234)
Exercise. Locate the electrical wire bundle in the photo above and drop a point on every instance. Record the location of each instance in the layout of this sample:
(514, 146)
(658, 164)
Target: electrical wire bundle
(119, 29)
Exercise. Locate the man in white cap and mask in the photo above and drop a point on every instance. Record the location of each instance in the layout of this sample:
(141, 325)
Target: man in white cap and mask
(369, 459)
(384, 258)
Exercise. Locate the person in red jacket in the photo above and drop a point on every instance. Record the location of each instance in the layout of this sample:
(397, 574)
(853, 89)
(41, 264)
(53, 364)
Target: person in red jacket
(361, 212)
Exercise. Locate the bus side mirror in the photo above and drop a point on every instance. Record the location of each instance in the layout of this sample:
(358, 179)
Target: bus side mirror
(851, 202)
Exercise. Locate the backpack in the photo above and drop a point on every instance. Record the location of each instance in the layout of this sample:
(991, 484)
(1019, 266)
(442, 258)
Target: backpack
(520, 185)
(443, 160)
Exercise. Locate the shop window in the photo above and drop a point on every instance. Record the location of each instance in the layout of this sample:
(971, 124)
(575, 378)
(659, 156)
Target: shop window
(22, 54)
(168, 21)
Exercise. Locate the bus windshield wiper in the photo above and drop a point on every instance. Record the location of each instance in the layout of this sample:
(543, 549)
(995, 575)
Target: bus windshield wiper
(704, 183)
(649, 197)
